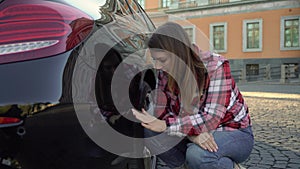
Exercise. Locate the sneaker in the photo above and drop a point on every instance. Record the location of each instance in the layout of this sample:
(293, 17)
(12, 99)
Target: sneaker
(160, 164)
(238, 166)
(182, 167)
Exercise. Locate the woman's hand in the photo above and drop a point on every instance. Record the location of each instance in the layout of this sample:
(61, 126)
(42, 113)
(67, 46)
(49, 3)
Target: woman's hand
(205, 141)
(150, 122)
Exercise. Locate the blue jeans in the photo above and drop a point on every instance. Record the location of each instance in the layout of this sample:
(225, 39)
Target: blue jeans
(234, 146)
(173, 157)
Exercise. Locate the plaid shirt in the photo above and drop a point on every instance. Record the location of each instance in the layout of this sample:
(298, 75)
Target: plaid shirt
(221, 106)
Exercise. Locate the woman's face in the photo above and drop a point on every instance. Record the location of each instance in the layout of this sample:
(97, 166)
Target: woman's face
(162, 60)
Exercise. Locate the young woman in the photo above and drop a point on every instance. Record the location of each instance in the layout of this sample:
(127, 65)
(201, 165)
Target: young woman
(200, 102)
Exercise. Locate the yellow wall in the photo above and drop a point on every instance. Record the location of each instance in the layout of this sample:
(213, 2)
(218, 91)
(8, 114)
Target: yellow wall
(271, 31)
(151, 5)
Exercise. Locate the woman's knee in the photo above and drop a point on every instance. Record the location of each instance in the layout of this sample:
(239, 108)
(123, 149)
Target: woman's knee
(197, 157)
(192, 156)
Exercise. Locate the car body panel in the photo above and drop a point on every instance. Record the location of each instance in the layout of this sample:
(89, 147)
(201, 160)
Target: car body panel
(40, 93)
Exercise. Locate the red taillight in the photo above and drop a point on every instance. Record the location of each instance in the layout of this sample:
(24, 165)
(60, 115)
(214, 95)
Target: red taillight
(36, 29)
(9, 120)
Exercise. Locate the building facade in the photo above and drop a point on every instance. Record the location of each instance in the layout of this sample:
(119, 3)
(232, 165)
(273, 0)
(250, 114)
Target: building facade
(255, 35)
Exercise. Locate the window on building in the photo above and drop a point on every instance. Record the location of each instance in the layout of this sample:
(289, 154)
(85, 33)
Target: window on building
(165, 3)
(218, 37)
(252, 69)
(190, 30)
(252, 35)
(142, 3)
(290, 33)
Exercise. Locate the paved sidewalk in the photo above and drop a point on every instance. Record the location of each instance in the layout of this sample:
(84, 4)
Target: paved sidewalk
(275, 112)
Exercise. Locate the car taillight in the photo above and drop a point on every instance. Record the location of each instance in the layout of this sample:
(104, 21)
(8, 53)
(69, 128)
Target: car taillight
(36, 29)
(9, 120)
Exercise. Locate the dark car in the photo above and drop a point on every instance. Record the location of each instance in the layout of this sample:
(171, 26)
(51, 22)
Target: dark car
(58, 64)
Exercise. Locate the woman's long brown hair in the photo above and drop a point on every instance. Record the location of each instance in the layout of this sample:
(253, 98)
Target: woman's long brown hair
(172, 38)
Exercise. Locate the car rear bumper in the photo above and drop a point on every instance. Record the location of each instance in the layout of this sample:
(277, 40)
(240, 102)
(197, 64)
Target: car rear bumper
(40, 93)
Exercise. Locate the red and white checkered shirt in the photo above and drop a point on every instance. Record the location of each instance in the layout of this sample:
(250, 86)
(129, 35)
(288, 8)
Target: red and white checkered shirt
(221, 106)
